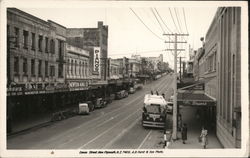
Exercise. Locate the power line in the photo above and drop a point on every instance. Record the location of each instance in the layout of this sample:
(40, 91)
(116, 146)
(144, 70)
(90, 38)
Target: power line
(158, 20)
(178, 20)
(141, 52)
(146, 25)
(184, 18)
(169, 30)
(173, 20)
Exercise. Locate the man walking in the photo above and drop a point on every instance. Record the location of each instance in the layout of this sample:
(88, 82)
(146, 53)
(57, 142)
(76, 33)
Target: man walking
(184, 133)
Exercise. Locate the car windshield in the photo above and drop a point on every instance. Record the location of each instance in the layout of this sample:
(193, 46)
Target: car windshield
(154, 109)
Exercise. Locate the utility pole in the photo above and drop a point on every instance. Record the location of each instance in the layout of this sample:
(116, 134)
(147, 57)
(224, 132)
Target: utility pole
(180, 67)
(174, 134)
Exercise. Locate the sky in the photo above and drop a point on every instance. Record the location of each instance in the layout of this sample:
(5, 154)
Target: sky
(128, 35)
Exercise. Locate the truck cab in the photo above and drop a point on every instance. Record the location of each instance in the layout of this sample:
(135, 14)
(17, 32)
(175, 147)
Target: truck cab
(154, 111)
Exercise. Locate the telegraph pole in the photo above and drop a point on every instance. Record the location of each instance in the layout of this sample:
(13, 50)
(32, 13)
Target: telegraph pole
(174, 134)
(180, 67)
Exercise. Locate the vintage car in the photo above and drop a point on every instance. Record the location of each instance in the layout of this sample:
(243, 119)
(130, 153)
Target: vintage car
(83, 108)
(121, 94)
(131, 90)
(100, 103)
(86, 108)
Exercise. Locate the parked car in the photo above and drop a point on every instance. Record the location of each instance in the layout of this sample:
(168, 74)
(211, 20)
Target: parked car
(125, 94)
(99, 103)
(83, 108)
(131, 90)
(86, 108)
(121, 94)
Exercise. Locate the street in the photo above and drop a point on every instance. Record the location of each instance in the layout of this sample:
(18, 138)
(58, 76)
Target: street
(116, 126)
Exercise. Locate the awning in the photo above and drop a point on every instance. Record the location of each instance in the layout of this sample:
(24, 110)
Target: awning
(194, 95)
(190, 99)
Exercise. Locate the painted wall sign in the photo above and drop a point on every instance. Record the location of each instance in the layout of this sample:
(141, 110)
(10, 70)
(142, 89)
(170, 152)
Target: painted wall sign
(96, 62)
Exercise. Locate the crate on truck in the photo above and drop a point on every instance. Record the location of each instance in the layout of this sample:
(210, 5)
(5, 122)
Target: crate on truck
(154, 111)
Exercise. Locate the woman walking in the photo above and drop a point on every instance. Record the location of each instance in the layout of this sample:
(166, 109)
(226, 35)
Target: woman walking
(203, 137)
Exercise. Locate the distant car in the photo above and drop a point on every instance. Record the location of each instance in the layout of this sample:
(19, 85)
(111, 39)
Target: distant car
(125, 94)
(86, 108)
(83, 108)
(99, 103)
(121, 94)
(131, 90)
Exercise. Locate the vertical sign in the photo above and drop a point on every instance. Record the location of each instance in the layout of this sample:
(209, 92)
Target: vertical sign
(97, 61)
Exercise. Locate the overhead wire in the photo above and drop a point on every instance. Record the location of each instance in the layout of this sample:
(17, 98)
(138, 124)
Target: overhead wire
(173, 20)
(146, 25)
(185, 19)
(157, 20)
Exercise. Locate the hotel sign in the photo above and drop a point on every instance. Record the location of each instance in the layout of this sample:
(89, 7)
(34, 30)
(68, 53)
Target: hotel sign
(96, 62)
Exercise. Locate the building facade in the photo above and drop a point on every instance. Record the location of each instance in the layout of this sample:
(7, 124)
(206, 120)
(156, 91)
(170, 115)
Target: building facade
(93, 40)
(35, 63)
(217, 64)
(229, 77)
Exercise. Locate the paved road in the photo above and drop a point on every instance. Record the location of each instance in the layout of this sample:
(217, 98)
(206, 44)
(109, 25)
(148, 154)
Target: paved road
(116, 126)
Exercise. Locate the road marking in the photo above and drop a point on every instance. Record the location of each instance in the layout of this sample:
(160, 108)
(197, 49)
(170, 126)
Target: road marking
(121, 134)
(107, 130)
(145, 139)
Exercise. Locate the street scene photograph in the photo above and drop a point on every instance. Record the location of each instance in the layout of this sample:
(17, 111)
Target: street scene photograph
(113, 77)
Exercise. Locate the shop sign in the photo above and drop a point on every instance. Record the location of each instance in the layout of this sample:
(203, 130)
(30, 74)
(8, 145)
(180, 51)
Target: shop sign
(96, 60)
(15, 89)
(78, 85)
(195, 103)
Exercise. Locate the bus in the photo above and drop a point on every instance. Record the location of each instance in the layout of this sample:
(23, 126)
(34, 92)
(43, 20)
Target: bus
(154, 111)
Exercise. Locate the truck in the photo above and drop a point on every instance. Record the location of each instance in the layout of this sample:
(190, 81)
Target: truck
(154, 111)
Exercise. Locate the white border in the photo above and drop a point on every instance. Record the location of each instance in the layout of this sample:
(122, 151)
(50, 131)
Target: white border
(244, 151)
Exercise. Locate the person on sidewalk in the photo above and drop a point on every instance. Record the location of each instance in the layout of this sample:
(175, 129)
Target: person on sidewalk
(179, 122)
(184, 133)
(203, 136)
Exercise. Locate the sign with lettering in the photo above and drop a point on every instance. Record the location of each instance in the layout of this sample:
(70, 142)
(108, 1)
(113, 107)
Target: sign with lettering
(96, 62)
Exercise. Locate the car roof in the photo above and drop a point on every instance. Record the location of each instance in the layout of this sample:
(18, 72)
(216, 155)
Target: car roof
(154, 99)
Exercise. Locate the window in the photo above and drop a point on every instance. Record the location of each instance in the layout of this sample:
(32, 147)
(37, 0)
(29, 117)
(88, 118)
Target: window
(52, 71)
(52, 46)
(25, 39)
(16, 65)
(40, 67)
(60, 70)
(40, 43)
(72, 66)
(17, 36)
(46, 68)
(86, 69)
(25, 66)
(33, 67)
(33, 41)
(215, 54)
(80, 68)
(75, 67)
(46, 45)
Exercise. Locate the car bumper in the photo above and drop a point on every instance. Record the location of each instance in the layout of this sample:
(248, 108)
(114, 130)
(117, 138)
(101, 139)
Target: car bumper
(152, 124)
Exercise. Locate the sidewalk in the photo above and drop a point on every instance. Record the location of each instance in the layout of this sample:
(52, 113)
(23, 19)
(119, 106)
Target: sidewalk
(194, 131)
(37, 121)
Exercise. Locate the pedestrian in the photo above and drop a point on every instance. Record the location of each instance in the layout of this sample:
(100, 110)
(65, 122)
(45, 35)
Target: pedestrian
(203, 136)
(157, 93)
(163, 95)
(179, 122)
(152, 93)
(184, 133)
